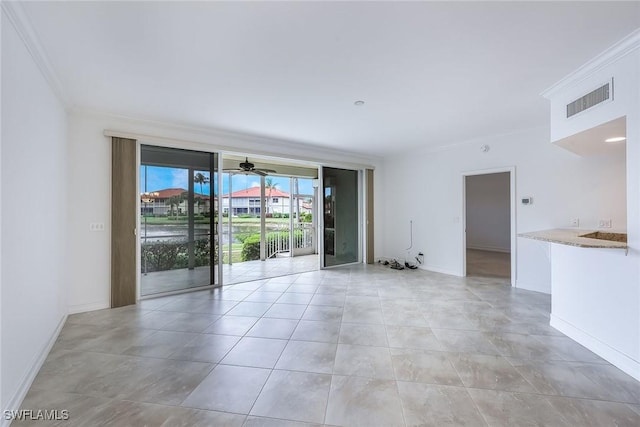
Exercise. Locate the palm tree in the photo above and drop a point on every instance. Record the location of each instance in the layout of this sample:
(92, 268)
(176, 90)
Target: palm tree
(174, 201)
(270, 185)
(200, 202)
(199, 178)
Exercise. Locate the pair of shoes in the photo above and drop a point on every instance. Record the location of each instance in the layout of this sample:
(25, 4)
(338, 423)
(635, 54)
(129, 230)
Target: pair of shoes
(396, 265)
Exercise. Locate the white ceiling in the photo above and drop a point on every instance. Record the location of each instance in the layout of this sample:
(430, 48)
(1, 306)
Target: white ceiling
(592, 142)
(430, 73)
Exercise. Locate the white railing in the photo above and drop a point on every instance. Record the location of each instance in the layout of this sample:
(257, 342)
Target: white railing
(279, 243)
(303, 239)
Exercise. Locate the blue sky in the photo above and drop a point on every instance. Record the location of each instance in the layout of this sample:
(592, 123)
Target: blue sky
(159, 178)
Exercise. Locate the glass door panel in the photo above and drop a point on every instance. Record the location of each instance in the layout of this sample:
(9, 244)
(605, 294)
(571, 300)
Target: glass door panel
(278, 217)
(304, 223)
(241, 220)
(178, 239)
(341, 216)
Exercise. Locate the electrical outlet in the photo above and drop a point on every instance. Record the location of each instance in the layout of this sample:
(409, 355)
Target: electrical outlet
(604, 223)
(575, 222)
(96, 226)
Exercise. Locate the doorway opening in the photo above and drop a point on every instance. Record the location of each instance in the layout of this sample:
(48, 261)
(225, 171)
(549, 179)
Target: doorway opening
(269, 218)
(489, 225)
(211, 219)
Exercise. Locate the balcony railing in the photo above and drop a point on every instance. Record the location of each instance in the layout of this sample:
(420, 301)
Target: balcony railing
(172, 251)
(278, 241)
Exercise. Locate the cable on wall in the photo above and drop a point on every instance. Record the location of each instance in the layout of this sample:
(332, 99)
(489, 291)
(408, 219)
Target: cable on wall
(410, 235)
(406, 263)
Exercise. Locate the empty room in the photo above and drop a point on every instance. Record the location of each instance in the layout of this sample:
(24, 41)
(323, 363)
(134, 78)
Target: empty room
(303, 213)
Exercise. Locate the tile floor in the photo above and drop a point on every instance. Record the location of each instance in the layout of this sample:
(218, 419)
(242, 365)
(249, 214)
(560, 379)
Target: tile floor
(174, 280)
(358, 346)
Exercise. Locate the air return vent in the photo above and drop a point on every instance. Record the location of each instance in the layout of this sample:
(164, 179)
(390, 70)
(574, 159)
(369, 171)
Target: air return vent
(603, 93)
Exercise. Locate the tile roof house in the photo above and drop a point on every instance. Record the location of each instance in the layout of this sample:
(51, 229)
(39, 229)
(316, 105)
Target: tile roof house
(160, 202)
(247, 201)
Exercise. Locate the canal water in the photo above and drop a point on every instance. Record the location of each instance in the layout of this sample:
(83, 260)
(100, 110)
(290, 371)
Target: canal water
(166, 232)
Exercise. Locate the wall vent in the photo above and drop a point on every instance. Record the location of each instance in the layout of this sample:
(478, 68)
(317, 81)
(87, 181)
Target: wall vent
(603, 93)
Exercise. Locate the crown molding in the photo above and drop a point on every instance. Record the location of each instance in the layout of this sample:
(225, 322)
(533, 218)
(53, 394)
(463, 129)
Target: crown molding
(486, 139)
(225, 140)
(20, 21)
(620, 49)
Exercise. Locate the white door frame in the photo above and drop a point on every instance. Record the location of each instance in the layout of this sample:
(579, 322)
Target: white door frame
(301, 251)
(463, 224)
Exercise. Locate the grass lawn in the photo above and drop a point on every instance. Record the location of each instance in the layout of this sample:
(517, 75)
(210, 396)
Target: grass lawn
(236, 253)
(236, 220)
(182, 220)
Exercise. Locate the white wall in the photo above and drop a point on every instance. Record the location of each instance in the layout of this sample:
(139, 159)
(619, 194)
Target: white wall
(596, 294)
(34, 216)
(595, 303)
(563, 185)
(1, 116)
(90, 167)
(488, 212)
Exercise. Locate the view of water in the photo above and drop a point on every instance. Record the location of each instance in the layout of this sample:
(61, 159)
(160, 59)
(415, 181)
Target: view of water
(165, 232)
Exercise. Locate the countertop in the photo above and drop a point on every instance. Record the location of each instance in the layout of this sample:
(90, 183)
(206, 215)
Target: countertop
(572, 237)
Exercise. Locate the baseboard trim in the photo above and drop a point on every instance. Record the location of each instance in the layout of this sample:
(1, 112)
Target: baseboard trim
(25, 384)
(608, 353)
(82, 308)
(437, 269)
(527, 287)
(489, 248)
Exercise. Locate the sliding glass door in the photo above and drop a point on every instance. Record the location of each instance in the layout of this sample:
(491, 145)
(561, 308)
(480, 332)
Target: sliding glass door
(302, 218)
(178, 220)
(341, 207)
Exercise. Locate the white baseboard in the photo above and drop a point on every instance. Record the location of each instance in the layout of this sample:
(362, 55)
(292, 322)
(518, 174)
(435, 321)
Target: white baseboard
(437, 269)
(608, 353)
(25, 384)
(529, 287)
(81, 308)
(489, 248)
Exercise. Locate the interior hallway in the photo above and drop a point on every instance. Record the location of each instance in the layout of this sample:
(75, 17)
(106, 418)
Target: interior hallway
(327, 347)
(489, 264)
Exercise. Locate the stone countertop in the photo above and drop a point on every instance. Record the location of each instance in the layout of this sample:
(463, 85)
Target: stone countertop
(572, 237)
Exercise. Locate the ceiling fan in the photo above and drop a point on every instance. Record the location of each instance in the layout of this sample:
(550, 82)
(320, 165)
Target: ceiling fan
(247, 167)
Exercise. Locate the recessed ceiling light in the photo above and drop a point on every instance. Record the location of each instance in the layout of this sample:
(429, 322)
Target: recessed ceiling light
(358, 103)
(615, 139)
